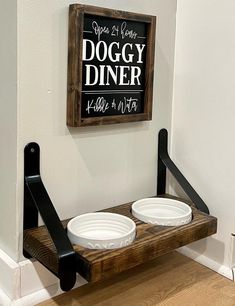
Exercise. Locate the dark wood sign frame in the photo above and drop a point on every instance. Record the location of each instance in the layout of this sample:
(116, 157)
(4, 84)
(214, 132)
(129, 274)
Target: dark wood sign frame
(75, 72)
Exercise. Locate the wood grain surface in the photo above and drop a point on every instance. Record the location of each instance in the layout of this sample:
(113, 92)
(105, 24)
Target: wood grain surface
(151, 241)
(170, 280)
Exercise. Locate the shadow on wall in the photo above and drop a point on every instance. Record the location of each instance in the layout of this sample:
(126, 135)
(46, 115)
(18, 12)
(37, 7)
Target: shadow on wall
(211, 248)
(40, 278)
(105, 130)
(174, 188)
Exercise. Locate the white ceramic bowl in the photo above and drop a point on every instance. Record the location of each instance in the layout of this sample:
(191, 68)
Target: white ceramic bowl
(101, 230)
(162, 211)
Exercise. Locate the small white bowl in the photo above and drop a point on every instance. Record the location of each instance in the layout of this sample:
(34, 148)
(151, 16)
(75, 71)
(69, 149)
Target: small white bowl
(162, 211)
(101, 230)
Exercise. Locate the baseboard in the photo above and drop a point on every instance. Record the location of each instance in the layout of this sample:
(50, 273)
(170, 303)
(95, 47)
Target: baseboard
(24, 278)
(9, 276)
(28, 281)
(4, 299)
(206, 261)
(43, 294)
(19, 280)
(34, 277)
(31, 299)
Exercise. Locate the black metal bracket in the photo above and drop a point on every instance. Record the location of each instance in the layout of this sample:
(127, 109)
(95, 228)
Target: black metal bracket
(165, 162)
(36, 199)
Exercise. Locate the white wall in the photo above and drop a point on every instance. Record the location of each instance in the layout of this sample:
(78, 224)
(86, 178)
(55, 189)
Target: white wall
(8, 127)
(203, 125)
(85, 169)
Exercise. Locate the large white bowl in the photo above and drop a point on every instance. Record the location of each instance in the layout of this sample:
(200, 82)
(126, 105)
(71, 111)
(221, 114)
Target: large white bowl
(101, 230)
(162, 211)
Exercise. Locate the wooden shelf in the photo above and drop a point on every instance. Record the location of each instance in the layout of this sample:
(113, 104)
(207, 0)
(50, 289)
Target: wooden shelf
(151, 241)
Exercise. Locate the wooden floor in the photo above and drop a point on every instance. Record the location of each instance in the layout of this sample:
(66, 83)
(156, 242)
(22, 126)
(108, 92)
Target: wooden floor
(171, 280)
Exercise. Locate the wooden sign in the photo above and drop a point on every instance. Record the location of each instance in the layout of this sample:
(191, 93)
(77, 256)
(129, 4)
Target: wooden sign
(110, 66)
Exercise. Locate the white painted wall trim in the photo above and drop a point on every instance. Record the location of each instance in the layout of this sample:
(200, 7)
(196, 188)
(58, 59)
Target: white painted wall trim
(24, 278)
(4, 299)
(27, 281)
(206, 261)
(31, 299)
(9, 276)
(43, 294)
(34, 277)
(38, 296)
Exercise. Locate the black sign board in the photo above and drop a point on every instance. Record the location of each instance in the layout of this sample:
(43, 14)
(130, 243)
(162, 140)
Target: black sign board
(110, 66)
